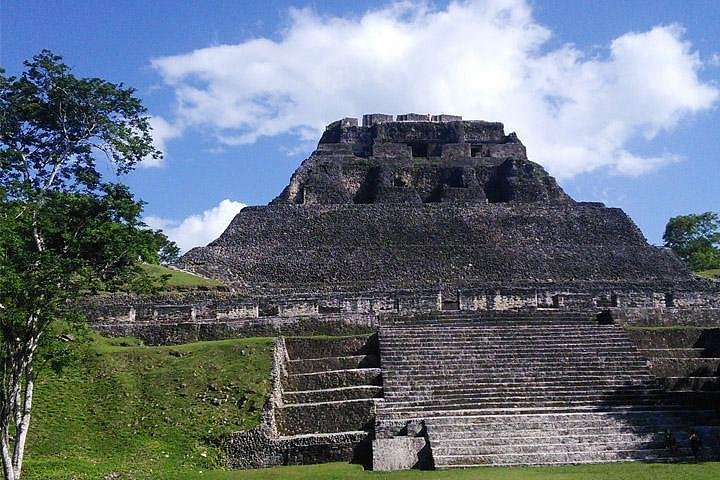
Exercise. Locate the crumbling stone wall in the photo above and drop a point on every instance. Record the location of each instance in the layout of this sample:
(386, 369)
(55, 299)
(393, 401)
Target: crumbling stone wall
(412, 161)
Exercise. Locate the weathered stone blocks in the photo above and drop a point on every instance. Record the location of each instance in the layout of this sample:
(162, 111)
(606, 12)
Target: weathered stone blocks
(398, 453)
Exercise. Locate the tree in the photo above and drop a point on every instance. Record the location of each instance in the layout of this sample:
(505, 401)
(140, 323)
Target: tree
(64, 231)
(696, 239)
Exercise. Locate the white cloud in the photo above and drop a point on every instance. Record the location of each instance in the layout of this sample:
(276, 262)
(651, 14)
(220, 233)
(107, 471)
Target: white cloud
(482, 59)
(162, 131)
(200, 229)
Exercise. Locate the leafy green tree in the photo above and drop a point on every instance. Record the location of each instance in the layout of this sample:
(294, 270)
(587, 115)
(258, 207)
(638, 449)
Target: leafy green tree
(696, 239)
(64, 231)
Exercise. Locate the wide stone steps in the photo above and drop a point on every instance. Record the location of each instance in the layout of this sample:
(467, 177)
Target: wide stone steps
(434, 400)
(557, 458)
(606, 444)
(459, 322)
(481, 330)
(489, 331)
(520, 335)
(402, 391)
(438, 367)
(540, 405)
(463, 393)
(489, 328)
(448, 377)
(598, 360)
(518, 350)
(388, 417)
(634, 417)
(530, 389)
(563, 433)
(505, 346)
(473, 441)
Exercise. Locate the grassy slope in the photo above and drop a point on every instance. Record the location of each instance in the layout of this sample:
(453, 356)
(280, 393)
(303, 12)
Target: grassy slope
(179, 279)
(714, 274)
(139, 410)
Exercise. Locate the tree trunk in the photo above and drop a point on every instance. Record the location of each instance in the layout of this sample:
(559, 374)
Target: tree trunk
(24, 424)
(7, 462)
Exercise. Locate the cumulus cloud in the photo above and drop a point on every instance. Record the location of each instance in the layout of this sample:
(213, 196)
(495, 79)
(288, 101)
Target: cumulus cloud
(199, 229)
(162, 131)
(484, 59)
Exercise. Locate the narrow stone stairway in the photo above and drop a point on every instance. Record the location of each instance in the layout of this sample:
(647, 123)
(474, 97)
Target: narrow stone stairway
(529, 388)
(328, 397)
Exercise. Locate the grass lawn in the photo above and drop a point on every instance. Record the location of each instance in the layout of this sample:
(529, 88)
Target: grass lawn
(180, 280)
(614, 471)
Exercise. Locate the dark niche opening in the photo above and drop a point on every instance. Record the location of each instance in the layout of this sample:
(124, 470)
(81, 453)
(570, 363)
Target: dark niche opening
(669, 300)
(475, 151)
(419, 150)
(605, 318)
(369, 187)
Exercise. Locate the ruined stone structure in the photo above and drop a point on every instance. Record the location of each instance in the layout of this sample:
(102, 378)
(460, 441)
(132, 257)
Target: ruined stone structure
(492, 318)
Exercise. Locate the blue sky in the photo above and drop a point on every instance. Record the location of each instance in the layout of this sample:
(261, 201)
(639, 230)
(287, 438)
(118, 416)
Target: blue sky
(618, 99)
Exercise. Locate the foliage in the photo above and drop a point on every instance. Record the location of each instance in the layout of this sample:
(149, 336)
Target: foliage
(137, 410)
(64, 231)
(696, 239)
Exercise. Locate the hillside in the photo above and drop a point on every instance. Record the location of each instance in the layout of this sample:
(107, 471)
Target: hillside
(136, 410)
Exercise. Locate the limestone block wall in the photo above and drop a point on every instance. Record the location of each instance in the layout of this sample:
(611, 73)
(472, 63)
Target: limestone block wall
(180, 318)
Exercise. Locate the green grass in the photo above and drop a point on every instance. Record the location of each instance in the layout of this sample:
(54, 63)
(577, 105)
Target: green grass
(181, 280)
(344, 471)
(143, 410)
(616, 471)
(713, 274)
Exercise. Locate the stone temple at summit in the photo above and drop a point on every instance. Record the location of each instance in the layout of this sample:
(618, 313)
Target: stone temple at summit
(439, 301)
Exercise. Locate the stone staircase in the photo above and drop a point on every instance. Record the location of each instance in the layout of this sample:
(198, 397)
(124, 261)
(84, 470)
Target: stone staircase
(328, 393)
(528, 388)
